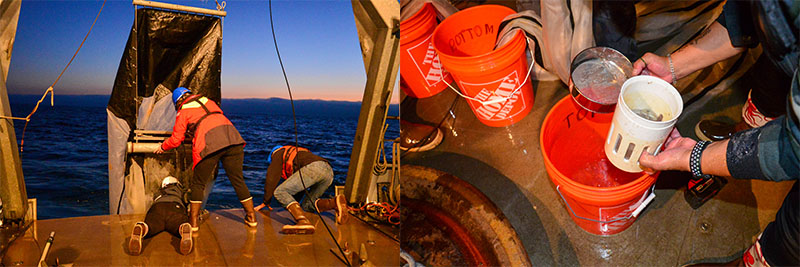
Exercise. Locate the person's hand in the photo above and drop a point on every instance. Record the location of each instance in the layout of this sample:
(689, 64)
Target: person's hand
(259, 207)
(653, 65)
(159, 150)
(675, 155)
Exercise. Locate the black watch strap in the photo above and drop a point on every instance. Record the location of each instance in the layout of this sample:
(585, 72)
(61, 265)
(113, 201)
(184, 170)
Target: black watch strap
(694, 158)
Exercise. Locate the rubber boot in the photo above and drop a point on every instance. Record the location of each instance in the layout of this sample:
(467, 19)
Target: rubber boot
(303, 226)
(751, 115)
(339, 204)
(419, 137)
(137, 234)
(710, 130)
(186, 238)
(250, 213)
(325, 204)
(194, 212)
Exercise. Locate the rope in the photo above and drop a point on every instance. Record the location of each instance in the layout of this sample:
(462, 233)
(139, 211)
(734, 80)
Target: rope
(395, 170)
(294, 118)
(381, 167)
(387, 212)
(50, 89)
(28, 118)
(452, 105)
(220, 7)
(501, 99)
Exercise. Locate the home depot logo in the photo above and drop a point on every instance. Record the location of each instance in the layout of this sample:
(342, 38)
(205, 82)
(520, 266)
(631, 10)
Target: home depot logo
(427, 62)
(622, 218)
(499, 89)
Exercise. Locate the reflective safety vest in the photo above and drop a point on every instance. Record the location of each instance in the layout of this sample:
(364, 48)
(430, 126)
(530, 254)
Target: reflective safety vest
(201, 120)
(190, 131)
(289, 154)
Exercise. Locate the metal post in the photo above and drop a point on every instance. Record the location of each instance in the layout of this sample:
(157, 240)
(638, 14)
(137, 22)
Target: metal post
(12, 183)
(378, 30)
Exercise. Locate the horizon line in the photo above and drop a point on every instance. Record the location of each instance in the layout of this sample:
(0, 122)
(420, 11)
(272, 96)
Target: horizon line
(235, 98)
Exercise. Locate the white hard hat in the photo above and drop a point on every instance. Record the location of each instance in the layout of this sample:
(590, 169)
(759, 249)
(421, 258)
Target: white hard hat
(169, 180)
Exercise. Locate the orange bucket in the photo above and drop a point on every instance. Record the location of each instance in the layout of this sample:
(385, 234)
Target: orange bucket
(493, 80)
(420, 68)
(600, 198)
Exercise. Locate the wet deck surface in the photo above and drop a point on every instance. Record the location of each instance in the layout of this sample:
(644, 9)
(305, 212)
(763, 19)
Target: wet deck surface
(506, 165)
(222, 240)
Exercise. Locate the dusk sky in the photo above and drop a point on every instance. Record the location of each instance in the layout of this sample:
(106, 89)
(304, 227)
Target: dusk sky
(317, 39)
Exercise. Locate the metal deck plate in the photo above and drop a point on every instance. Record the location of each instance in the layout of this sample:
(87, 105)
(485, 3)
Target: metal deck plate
(223, 239)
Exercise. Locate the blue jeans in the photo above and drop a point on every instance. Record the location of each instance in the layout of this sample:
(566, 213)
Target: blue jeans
(317, 176)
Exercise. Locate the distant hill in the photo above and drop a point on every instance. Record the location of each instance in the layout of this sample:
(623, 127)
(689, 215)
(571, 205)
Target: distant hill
(306, 107)
(273, 105)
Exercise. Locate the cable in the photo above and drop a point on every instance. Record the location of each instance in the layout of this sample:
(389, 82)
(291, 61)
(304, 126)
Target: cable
(438, 125)
(296, 143)
(50, 90)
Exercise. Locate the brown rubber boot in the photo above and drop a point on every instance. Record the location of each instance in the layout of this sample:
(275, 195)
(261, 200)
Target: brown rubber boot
(419, 137)
(303, 226)
(137, 234)
(186, 238)
(339, 204)
(249, 213)
(325, 204)
(194, 211)
(341, 209)
(710, 130)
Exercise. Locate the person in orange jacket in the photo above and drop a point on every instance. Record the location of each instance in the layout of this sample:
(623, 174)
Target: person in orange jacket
(214, 140)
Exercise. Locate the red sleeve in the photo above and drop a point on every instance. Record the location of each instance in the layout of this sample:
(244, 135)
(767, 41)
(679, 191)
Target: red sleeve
(178, 133)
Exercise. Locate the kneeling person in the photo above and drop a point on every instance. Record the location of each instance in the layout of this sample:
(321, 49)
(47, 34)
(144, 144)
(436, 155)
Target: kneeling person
(289, 162)
(168, 213)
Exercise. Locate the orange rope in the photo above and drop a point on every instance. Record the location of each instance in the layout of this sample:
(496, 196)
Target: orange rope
(382, 209)
(50, 90)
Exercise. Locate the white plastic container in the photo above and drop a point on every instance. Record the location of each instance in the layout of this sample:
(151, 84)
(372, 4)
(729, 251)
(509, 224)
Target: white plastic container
(631, 133)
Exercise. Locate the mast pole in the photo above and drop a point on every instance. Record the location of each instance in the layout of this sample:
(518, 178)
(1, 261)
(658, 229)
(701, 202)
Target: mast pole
(12, 184)
(378, 24)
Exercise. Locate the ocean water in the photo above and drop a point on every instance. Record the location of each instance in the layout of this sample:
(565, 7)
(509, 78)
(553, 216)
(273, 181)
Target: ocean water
(65, 154)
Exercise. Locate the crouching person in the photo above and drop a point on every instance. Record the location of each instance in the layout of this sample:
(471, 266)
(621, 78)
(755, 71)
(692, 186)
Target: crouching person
(293, 163)
(214, 140)
(168, 213)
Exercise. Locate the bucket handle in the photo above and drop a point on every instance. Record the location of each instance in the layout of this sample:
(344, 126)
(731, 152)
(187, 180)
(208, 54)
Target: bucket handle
(501, 99)
(635, 212)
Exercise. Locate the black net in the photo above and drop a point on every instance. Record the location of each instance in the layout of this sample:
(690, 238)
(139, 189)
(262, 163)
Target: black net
(174, 49)
(171, 50)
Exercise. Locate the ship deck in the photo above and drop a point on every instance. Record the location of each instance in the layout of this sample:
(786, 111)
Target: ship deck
(506, 165)
(223, 239)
